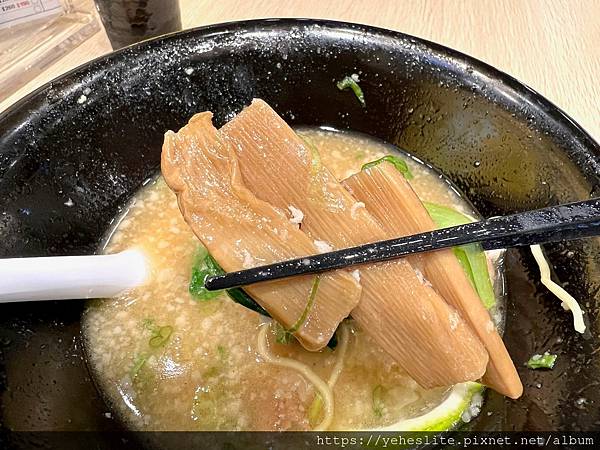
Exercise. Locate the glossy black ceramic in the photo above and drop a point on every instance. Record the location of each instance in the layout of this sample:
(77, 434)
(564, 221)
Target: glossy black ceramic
(94, 135)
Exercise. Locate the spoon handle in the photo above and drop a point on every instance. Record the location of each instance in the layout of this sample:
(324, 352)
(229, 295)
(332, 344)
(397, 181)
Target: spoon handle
(556, 223)
(70, 277)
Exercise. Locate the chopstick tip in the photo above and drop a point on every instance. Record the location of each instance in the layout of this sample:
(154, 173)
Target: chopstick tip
(214, 283)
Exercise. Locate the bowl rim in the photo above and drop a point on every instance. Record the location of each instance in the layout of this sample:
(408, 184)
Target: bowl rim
(504, 82)
(231, 27)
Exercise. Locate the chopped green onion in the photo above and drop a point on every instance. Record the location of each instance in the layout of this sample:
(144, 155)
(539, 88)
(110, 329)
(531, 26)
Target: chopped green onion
(211, 372)
(223, 353)
(471, 256)
(216, 370)
(138, 363)
(161, 336)
(204, 407)
(284, 336)
(378, 405)
(352, 83)
(315, 156)
(545, 361)
(314, 411)
(148, 324)
(314, 192)
(397, 162)
(309, 304)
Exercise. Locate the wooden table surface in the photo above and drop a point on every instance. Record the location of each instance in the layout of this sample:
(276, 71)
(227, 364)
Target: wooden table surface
(551, 45)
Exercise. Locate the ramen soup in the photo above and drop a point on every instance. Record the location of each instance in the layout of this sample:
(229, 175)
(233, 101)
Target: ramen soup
(168, 360)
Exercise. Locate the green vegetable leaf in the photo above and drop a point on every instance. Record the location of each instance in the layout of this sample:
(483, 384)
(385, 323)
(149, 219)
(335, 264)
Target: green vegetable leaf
(445, 217)
(478, 273)
(398, 163)
(239, 296)
(471, 256)
(349, 82)
(545, 361)
(205, 266)
(378, 406)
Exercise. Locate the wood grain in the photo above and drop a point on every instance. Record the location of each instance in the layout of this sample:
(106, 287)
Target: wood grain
(552, 45)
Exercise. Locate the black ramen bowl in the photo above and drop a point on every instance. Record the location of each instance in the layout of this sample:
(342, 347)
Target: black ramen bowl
(95, 134)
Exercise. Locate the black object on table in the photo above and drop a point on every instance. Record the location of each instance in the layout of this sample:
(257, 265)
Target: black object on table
(129, 21)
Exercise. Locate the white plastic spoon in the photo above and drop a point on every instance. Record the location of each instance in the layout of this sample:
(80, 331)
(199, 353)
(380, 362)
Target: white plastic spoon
(71, 277)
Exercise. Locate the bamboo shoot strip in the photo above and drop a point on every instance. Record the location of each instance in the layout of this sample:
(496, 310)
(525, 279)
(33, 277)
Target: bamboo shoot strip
(407, 318)
(389, 197)
(241, 231)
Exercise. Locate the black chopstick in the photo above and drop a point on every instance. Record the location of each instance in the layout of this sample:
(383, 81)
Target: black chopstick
(555, 223)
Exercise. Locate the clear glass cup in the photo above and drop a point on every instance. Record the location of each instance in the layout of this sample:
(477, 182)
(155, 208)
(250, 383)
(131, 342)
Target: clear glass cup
(35, 34)
(129, 21)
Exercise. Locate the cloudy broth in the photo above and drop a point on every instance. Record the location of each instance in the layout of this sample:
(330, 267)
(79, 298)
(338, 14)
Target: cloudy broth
(166, 361)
